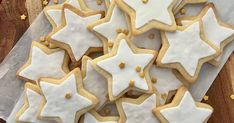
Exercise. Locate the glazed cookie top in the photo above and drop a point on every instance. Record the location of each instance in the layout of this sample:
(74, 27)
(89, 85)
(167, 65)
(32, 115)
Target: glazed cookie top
(148, 14)
(74, 35)
(183, 109)
(126, 68)
(44, 62)
(184, 53)
(66, 99)
(138, 110)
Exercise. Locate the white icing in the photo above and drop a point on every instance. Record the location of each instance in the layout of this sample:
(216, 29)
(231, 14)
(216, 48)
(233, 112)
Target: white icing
(213, 30)
(186, 112)
(144, 41)
(166, 80)
(76, 34)
(55, 15)
(95, 83)
(92, 4)
(44, 65)
(89, 118)
(121, 77)
(56, 103)
(186, 50)
(108, 29)
(156, 10)
(141, 113)
(30, 114)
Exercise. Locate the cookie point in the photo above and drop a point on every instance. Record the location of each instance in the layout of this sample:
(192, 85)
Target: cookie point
(121, 65)
(68, 95)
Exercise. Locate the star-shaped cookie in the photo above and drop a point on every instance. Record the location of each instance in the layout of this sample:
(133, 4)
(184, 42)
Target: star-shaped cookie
(183, 109)
(44, 62)
(29, 111)
(186, 50)
(94, 82)
(138, 110)
(115, 22)
(148, 14)
(94, 117)
(66, 99)
(217, 31)
(74, 36)
(126, 68)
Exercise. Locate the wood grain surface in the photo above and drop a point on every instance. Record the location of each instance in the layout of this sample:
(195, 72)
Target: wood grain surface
(11, 29)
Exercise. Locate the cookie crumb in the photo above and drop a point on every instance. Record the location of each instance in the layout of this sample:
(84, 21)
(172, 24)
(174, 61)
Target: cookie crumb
(45, 2)
(206, 98)
(23, 17)
(151, 36)
(118, 30)
(107, 111)
(182, 11)
(138, 69)
(68, 95)
(132, 83)
(110, 44)
(99, 2)
(154, 80)
(122, 65)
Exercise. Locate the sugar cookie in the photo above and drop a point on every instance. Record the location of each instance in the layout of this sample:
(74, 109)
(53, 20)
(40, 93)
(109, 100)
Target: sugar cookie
(65, 99)
(73, 35)
(183, 109)
(186, 50)
(29, 111)
(119, 66)
(150, 14)
(138, 110)
(215, 30)
(108, 28)
(44, 62)
(94, 82)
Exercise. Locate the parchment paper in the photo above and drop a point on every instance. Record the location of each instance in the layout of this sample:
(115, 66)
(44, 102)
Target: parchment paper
(11, 87)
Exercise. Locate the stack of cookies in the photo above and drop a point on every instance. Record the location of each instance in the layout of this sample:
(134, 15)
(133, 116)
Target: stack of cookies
(118, 61)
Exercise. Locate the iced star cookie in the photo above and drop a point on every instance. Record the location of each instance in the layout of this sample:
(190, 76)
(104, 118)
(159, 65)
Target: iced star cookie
(148, 14)
(94, 117)
(65, 100)
(218, 32)
(164, 81)
(126, 68)
(183, 109)
(95, 4)
(186, 50)
(94, 82)
(108, 28)
(73, 35)
(44, 62)
(148, 40)
(138, 110)
(29, 111)
(181, 3)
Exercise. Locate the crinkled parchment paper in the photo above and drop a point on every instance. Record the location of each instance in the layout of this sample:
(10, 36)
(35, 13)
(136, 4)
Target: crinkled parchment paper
(11, 87)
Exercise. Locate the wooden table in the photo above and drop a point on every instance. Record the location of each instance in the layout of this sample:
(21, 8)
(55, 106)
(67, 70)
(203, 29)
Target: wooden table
(11, 29)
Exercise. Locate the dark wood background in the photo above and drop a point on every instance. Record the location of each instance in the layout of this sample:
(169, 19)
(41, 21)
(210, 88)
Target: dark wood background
(12, 27)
